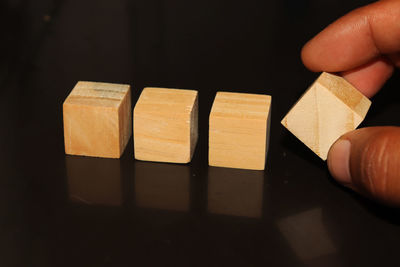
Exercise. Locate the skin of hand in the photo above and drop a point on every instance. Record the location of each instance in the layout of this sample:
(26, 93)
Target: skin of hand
(364, 47)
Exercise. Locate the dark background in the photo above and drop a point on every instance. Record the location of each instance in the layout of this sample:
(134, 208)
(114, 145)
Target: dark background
(58, 210)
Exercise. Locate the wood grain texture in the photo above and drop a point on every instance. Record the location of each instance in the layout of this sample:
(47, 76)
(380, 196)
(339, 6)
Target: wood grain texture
(330, 108)
(239, 129)
(97, 119)
(165, 125)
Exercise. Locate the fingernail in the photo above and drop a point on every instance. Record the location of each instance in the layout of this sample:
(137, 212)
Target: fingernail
(339, 161)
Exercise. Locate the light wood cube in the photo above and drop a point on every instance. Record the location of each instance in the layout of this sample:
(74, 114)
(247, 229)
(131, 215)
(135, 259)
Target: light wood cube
(97, 119)
(239, 127)
(330, 108)
(165, 125)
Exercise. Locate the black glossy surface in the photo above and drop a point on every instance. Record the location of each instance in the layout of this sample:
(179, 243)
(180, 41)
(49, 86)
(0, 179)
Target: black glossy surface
(58, 210)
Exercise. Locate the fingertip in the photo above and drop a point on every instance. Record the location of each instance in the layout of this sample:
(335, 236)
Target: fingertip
(307, 56)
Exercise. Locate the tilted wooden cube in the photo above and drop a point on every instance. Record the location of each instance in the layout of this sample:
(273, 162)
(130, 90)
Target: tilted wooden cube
(97, 119)
(239, 127)
(165, 125)
(330, 108)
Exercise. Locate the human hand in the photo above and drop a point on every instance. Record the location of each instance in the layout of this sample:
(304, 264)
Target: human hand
(364, 47)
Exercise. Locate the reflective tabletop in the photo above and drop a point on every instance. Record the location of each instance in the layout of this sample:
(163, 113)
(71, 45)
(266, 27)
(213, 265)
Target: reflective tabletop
(61, 210)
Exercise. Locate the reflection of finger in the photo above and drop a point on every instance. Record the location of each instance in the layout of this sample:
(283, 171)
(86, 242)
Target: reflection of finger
(369, 78)
(369, 160)
(356, 38)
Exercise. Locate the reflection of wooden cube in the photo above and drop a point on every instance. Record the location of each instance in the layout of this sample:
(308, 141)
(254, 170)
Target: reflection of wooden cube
(235, 192)
(94, 181)
(97, 119)
(165, 125)
(239, 127)
(304, 242)
(162, 186)
(330, 108)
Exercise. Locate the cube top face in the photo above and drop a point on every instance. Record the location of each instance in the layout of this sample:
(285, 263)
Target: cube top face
(165, 101)
(165, 125)
(97, 119)
(238, 130)
(325, 112)
(98, 94)
(343, 90)
(241, 106)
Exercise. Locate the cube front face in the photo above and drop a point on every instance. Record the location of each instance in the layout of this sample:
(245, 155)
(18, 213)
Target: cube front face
(238, 131)
(237, 143)
(165, 125)
(321, 115)
(97, 120)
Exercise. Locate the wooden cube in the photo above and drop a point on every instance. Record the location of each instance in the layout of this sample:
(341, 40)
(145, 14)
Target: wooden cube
(239, 127)
(97, 119)
(165, 125)
(330, 108)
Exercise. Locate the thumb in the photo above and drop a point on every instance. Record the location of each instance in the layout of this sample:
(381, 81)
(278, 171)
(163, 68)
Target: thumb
(368, 161)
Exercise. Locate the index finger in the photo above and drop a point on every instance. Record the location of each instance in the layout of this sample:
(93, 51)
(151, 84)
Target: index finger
(356, 39)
